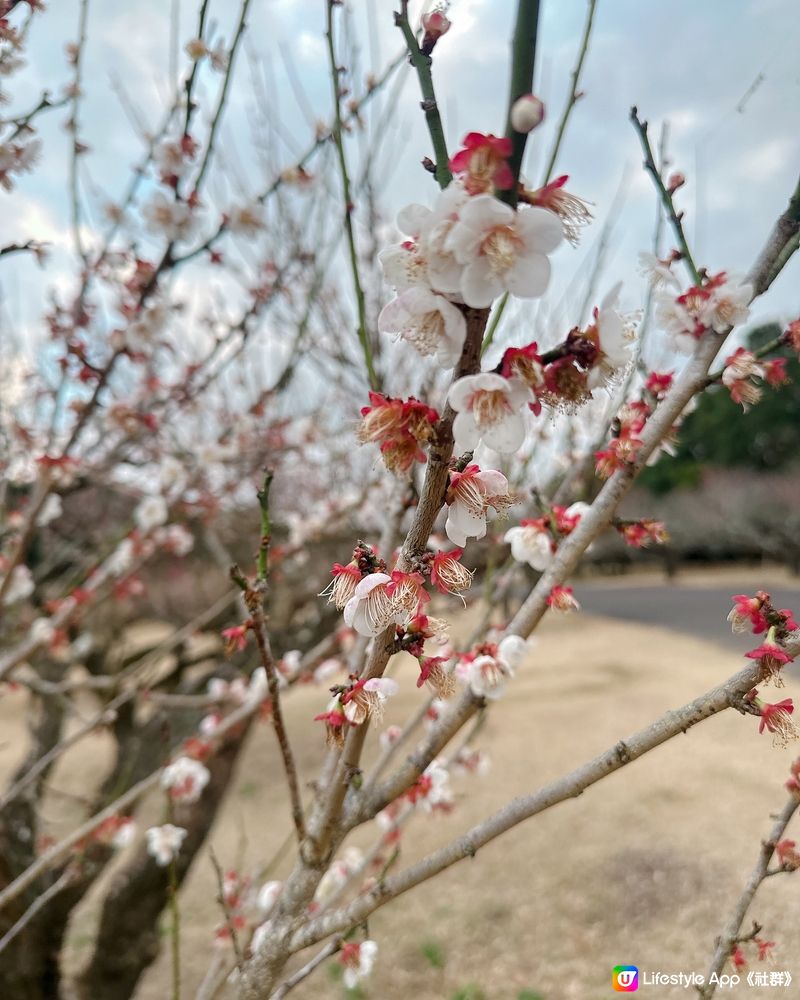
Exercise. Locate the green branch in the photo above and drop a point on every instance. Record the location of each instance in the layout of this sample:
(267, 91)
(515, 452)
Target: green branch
(664, 194)
(422, 65)
(523, 59)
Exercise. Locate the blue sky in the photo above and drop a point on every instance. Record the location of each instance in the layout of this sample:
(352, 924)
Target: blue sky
(683, 62)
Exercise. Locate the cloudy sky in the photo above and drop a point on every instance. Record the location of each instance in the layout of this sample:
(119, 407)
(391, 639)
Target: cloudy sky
(724, 74)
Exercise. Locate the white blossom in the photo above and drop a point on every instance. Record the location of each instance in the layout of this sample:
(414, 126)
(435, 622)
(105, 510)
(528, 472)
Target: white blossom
(151, 513)
(489, 409)
(20, 586)
(164, 842)
(429, 322)
(185, 779)
(503, 250)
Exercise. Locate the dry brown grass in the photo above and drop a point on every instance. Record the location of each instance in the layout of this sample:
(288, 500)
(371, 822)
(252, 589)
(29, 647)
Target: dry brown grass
(640, 869)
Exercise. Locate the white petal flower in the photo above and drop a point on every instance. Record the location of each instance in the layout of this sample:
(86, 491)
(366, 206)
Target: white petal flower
(20, 587)
(246, 220)
(51, 509)
(166, 217)
(472, 494)
(429, 322)
(503, 250)
(164, 842)
(151, 513)
(728, 303)
(487, 676)
(530, 544)
(489, 409)
(370, 610)
(357, 958)
(423, 259)
(185, 779)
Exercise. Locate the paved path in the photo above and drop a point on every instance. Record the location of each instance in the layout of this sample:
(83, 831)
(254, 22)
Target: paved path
(699, 611)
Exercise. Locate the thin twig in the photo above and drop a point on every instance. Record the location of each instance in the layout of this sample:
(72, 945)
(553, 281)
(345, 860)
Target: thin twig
(338, 139)
(36, 906)
(676, 219)
(727, 940)
(305, 971)
(422, 65)
(226, 910)
(215, 121)
(574, 93)
(569, 786)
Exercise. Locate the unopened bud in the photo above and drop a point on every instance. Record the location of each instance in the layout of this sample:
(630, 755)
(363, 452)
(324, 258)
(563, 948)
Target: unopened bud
(526, 113)
(435, 24)
(676, 180)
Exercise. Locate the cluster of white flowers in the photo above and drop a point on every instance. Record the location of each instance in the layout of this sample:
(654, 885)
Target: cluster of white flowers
(466, 250)
(488, 673)
(720, 303)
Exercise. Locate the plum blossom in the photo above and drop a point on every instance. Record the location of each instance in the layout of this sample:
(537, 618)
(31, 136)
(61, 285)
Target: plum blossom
(185, 779)
(246, 220)
(562, 599)
(164, 843)
(484, 163)
(727, 303)
(573, 211)
(17, 158)
(343, 585)
(489, 409)
(531, 543)
(448, 575)
(172, 158)
(371, 608)
(612, 337)
(471, 495)
(357, 959)
(175, 538)
(424, 260)
(776, 720)
(657, 271)
(20, 586)
(771, 658)
(151, 513)
(503, 250)
(42, 631)
(51, 510)
(747, 613)
(488, 672)
(169, 218)
(429, 322)
(432, 789)
(718, 304)
(366, 699)
(737, 377)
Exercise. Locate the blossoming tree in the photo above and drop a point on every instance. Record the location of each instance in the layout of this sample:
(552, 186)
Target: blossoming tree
(119, 407)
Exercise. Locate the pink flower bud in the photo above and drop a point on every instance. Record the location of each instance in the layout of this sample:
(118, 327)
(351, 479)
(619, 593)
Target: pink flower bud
(435, 24)
(526, 113)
